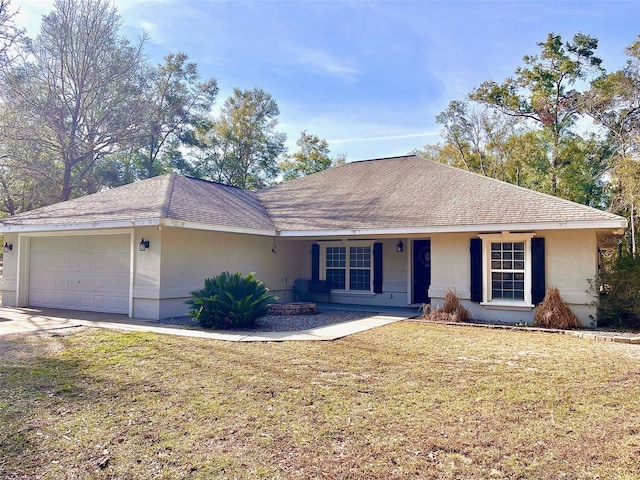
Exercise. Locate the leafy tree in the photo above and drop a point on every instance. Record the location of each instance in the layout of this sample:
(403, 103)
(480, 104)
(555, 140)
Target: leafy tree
(617, 287)
(75, 92)
(340, 159)
(176, 103)
(179, 102)
(312, 157)
(527, 164)
(544, 92)
(475, 138)
(26, 181)
(242, 146)
(614, 103)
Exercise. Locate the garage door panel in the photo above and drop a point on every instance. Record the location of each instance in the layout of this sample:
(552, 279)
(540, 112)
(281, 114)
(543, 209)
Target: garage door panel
(56, 282)
(80, 272)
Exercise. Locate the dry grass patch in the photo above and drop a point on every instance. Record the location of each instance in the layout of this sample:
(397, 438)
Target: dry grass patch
(408, 400)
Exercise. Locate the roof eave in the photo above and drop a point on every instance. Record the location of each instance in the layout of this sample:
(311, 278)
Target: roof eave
(59, 227)
(399, 231)
(140, 222)
(410, 231)
(218, 228)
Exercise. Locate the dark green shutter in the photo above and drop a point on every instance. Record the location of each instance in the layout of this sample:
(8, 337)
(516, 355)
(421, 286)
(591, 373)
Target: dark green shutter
(315, 263)
(538, 288)
(476, 269)
(377, 267)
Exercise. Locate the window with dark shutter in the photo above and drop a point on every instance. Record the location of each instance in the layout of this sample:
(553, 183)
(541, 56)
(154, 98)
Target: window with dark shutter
(377, 267)
(476, 269)
(315, 263)
(538, 287)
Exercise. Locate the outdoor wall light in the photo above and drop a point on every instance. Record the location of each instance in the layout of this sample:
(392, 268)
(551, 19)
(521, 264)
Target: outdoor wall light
(144, 244)
(400, 246)
(8, 247)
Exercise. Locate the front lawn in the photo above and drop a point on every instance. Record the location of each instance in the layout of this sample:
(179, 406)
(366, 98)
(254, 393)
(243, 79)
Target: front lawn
(408, 400)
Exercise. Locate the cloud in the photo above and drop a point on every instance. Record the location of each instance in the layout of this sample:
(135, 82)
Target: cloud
(30, 14)
(323, 63)
(384, 136)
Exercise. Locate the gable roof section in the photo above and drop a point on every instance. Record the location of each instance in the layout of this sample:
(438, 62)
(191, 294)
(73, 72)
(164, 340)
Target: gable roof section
(411, 195)
(166, 199)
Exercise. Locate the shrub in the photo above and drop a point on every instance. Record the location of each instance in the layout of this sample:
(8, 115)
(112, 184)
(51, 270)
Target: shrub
(451, 310)
(553, 312)
(618, 289)
(230, 301)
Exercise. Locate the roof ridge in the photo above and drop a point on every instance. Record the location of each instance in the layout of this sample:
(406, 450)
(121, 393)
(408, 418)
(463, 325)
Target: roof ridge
(166, 205)
(212, 182)
(394, 157)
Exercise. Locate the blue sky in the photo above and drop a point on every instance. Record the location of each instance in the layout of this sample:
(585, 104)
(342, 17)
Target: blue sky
(367, 76)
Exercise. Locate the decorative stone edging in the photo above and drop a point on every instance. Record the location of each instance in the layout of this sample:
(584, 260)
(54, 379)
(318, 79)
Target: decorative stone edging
(296, 308)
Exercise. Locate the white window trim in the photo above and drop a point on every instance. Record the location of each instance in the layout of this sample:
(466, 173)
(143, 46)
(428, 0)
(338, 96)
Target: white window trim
(487, 301)
(346, 244)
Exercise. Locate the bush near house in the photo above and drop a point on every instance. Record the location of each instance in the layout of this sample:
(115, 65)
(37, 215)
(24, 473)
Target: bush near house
(451, 310)
(553, 312)
(618, 288)
(230, 301)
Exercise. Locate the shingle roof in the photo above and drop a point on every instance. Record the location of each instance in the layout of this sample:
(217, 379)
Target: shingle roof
(410, 191)
(393, 193)
(167, 196)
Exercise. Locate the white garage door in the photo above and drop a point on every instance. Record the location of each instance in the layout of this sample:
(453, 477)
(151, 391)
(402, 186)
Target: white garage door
(80, 273)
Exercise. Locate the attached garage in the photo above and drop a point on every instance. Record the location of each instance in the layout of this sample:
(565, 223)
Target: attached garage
(80, 272)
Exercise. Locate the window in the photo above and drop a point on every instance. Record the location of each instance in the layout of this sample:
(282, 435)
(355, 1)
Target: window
(507, 270)
(348, 268)
(360, 268)
(336, 264)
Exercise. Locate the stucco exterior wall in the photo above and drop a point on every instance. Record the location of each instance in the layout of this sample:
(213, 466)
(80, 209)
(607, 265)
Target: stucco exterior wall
(571, 259)
(178, 260)
(9, 281)
(186, 257)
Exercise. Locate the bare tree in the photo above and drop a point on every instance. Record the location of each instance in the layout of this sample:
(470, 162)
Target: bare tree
(73, 95)
(9, 33)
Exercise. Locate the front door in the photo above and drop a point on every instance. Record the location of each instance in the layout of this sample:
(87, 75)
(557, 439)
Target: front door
(421, 271)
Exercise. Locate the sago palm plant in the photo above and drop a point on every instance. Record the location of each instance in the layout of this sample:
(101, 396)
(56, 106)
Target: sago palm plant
(230, 301)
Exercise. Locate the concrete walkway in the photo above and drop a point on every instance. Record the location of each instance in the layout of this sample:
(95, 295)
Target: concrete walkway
(21, 320)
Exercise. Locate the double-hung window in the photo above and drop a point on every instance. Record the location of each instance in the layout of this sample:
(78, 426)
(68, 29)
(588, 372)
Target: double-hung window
(348, 267)
(507, 270)
(507, 276)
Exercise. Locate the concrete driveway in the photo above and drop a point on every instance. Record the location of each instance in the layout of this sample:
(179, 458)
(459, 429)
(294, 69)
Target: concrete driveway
(24, 320)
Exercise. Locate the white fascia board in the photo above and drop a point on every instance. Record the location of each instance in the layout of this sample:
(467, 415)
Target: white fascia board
(217, 228)
(145, 222)
(66, 227)
(577, 225)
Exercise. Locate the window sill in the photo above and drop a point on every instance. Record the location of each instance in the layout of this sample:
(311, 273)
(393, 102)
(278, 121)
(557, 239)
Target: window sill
(505, 305)
(353, 293)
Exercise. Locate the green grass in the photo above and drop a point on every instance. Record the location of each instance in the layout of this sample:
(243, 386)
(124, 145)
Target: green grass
(409, 400)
